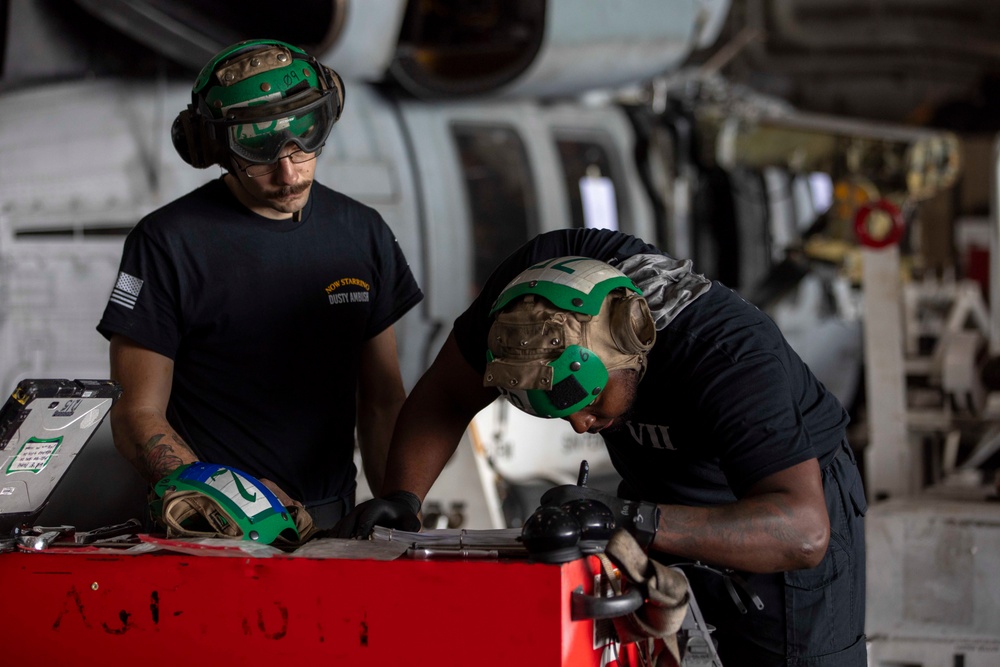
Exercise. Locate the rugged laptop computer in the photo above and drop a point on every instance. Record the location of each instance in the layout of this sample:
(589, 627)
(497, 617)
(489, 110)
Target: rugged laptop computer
(43, 426)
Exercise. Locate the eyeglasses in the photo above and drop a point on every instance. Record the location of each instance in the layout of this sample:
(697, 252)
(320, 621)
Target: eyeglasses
(256, 170)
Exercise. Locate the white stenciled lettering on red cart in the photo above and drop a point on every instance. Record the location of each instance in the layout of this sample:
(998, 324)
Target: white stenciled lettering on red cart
(345, 290)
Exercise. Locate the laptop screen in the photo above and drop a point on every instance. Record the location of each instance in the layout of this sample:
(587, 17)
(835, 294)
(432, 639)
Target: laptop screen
(43, 426)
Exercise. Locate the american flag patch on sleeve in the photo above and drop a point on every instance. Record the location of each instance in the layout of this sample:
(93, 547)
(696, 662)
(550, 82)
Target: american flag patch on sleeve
(126, 290)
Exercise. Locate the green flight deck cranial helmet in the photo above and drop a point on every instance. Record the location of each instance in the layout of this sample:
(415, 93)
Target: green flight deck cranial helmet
(559, 328)
(205, 499)
(252, 99)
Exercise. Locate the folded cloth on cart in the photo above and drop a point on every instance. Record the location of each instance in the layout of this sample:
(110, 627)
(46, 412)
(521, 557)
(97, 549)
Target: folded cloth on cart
(664, 590)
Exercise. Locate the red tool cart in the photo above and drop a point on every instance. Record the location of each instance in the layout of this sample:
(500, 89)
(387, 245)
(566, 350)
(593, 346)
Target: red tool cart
(85, 606)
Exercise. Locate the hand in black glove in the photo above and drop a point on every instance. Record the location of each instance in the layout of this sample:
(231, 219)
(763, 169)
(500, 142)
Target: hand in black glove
(396, 510)
(639, 518)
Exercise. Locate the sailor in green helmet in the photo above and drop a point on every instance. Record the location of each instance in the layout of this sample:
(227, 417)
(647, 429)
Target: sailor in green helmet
(251, 323)
(731, 453)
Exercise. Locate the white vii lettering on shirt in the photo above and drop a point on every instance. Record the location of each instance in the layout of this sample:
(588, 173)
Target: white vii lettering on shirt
(651, 435)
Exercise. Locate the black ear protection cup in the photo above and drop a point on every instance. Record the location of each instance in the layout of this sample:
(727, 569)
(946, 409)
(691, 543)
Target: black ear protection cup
(336, 84)
(632, 325)
(195, 141)
(179, 134)
(188, 140)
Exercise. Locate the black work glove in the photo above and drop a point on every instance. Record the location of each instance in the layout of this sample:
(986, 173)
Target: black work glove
(639, 518)
(395, 510)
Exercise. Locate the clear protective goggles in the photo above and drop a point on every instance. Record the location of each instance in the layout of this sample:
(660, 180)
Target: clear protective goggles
(258, 133)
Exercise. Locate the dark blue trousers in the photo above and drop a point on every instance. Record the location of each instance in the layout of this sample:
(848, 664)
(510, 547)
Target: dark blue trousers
(811, 618)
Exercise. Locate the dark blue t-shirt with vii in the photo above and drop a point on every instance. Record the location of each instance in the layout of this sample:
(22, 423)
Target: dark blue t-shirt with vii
(725, 400)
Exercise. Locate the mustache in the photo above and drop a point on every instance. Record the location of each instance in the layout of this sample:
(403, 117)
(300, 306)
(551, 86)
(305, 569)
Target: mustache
(290, 190)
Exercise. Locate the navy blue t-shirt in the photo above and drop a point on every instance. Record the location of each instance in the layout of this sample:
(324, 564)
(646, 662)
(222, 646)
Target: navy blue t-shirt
(724, 402)
(264, 320)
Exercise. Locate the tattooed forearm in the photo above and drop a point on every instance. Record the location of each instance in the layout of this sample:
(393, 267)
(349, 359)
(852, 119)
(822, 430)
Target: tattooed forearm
(158, 456)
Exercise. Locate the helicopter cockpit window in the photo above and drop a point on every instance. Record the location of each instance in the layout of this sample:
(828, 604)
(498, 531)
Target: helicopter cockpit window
(590, 186)
(500, 194)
